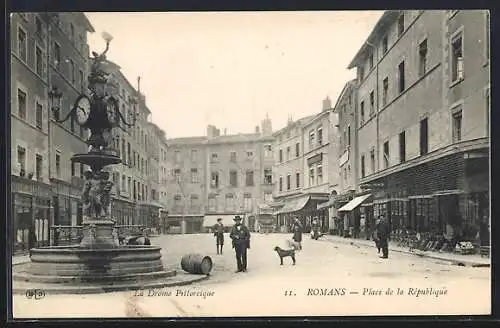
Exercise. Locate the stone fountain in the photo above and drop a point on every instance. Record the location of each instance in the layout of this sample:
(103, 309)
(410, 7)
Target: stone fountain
(98, 263)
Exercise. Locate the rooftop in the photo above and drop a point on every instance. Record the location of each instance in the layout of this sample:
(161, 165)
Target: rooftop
(187, 141)
(234, 138)
(387, 18)
(86, 22)
(347, 86)
(300, 122)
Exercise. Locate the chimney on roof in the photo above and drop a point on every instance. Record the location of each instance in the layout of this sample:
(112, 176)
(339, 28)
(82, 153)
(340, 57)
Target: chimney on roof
(266, 126)
(211, 131)
(327, 103)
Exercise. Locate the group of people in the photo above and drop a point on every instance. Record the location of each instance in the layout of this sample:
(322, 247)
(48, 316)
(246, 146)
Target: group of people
(298, 229)
(240, 236)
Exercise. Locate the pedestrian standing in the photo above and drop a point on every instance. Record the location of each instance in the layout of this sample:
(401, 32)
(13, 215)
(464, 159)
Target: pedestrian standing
(219, 235)
(315, 228)
(383, 235)
(241, 242)
(297, 229)
(375, 236)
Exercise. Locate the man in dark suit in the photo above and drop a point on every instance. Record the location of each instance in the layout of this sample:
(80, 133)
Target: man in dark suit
(297, 229)
(383, 235)
(219, 234)
(241, 242)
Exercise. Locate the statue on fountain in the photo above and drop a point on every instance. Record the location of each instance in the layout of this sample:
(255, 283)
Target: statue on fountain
(96, 195)
(96, 69)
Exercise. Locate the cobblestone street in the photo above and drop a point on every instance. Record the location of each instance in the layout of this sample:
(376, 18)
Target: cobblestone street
(342, 271)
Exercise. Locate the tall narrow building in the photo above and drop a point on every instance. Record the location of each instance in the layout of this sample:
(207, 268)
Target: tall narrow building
(48, 51)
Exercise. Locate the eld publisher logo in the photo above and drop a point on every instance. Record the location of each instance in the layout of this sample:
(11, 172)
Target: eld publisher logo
(36, 294)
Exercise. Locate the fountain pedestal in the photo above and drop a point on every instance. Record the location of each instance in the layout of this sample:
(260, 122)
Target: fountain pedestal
(98, 234)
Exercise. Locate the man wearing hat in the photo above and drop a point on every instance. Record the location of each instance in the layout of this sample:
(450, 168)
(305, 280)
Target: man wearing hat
(382, 231)
(219, 234)
(241, 242)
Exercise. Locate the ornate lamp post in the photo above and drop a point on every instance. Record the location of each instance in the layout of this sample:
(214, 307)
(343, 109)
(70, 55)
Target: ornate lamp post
(99, 112)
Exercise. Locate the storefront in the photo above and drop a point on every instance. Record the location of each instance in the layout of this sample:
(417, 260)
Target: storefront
(163, 220)
(355, 223)
(123, 212)
(148, 215)
(67, 202)
(184, 224)
(193, 224)
(305, 207)
(335, 219)
(265, 220)
(209, 220)
(451, 193)
(31, 212)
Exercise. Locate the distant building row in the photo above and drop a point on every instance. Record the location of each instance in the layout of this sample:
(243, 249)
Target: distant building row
(407, 139)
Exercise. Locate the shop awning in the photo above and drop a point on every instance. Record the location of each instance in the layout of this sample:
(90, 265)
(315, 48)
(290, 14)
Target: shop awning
(265, 209)
(448, 192)
(420, 197)
(329, 203)
(211, 220)
(294, 205)
(354, 203)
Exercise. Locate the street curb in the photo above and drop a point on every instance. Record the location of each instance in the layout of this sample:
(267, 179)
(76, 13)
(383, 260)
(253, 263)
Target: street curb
(21, 262)
(466, 263)
(109, 289)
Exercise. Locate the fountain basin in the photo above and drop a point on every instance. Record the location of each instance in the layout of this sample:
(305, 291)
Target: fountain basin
(101, 157)
(77, 265)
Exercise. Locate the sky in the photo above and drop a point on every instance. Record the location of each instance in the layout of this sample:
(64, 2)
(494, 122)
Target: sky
(231, 69)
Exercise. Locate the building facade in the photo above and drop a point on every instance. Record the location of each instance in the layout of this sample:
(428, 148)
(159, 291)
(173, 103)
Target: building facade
(218, 176)
(306, 168)
(162, 180)
(261, 215)
(236, 175)
(184, 178)
(68, 63)
(154, 137)
(346, 111)
(47, 51)
(423, 111)
(320, 168)
(136, 178)
(345, 108)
